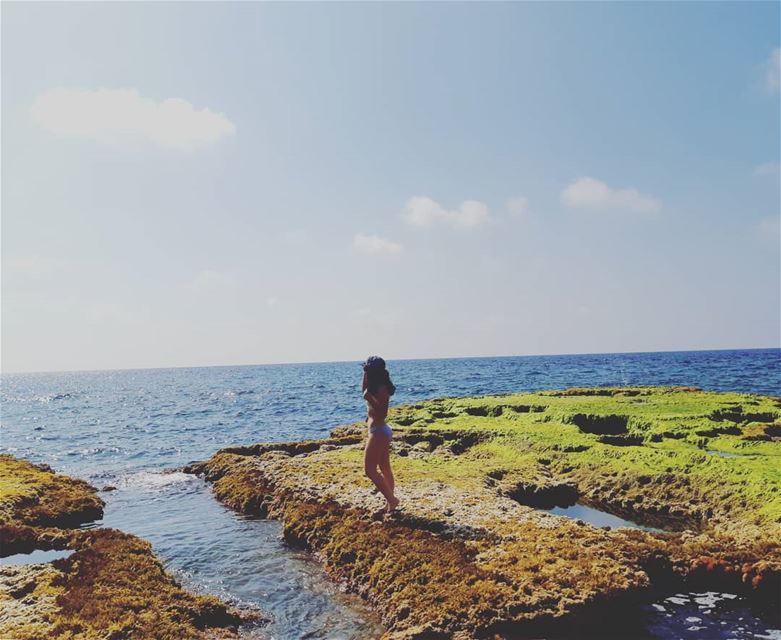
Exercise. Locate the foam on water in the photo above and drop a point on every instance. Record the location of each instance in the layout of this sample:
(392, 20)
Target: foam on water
(154, 480)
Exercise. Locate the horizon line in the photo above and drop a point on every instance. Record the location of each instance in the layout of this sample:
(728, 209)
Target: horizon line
(357, 361)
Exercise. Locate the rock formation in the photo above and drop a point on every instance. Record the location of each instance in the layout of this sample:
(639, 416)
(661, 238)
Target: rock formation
(472, 554)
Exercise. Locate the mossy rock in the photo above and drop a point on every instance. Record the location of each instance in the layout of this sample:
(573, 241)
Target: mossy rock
(469, 555)
(33, 495)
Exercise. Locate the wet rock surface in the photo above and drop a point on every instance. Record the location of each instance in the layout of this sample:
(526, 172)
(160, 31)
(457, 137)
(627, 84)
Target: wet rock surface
(110, 587)
(468, 554)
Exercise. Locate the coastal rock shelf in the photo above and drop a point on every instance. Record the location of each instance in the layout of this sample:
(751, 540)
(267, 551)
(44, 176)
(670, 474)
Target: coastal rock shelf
(472, 553)
(111, 585)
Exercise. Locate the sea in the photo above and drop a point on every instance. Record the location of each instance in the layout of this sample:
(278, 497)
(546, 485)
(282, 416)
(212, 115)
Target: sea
(131, 429)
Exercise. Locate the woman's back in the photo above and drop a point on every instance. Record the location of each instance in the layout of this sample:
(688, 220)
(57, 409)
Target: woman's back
(378, 411)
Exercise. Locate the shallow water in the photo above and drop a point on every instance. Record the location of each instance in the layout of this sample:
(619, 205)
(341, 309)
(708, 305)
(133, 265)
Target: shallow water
(123, 428)
(729, 454)
(723, 454)
(36, 557)
(240, 559)
(597, 518)
(708, 615)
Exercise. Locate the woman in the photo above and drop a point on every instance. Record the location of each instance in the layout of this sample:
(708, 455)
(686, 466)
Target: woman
(377, 390)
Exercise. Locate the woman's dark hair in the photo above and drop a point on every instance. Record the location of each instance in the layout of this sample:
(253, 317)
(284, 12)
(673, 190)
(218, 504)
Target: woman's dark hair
(376, 376)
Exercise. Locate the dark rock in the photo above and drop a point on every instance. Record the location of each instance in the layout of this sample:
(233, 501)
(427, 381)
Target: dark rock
(600, 425)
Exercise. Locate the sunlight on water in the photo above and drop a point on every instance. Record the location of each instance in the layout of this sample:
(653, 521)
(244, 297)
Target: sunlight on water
(708, 615)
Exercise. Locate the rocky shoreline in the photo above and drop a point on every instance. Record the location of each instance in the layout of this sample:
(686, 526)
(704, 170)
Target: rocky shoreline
(110, 587)
(473, 553)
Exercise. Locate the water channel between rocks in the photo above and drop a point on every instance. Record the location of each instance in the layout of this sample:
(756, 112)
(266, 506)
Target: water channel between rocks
(240, 559)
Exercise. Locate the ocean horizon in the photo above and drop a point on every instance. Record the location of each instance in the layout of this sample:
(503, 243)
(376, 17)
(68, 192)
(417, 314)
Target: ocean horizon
(390, 360)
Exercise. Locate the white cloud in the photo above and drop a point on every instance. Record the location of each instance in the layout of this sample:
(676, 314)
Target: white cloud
(211, 281)
(518, 206)
(272, 301)
(773, 76)
(768, 169)
(588, 193)
(375, 245)
(119, 115)
(422, 211)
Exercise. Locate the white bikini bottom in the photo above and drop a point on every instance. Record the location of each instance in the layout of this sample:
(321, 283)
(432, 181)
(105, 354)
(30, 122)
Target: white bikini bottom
(384, 429)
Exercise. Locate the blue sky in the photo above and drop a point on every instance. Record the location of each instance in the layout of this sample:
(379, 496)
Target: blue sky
(234, 183)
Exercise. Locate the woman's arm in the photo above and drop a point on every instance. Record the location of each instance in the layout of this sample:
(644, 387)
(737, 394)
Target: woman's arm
(378, 400)
(371, 399)
(367, 395)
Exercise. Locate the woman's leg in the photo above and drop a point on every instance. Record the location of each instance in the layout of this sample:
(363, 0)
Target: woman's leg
(385, 467)
(371, 460)
(387, 473)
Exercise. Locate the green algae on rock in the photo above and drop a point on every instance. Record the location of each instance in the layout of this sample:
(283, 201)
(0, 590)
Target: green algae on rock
(111, 587)
(33, 495)
(471, 554)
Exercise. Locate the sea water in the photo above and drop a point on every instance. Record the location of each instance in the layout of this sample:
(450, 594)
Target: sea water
(125, 429)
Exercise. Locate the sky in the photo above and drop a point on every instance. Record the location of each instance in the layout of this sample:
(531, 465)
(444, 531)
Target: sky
(190, 184)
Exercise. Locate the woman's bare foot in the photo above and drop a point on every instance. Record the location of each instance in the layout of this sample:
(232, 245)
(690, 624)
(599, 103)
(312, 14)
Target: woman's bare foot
(392, 504)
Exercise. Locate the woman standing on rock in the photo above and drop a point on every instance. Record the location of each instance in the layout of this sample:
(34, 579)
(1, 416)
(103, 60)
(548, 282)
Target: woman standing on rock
(377, 390)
